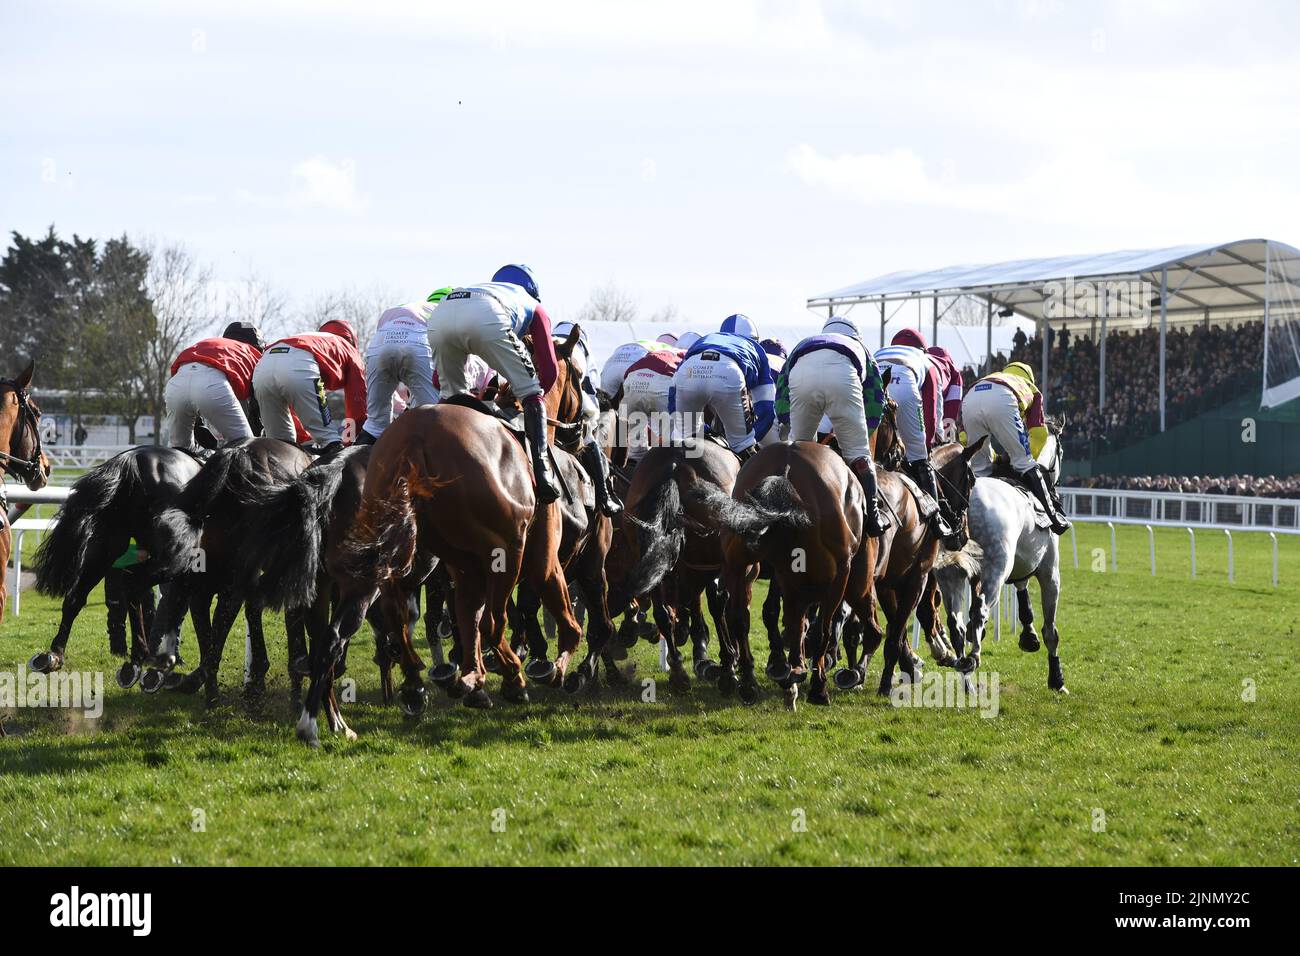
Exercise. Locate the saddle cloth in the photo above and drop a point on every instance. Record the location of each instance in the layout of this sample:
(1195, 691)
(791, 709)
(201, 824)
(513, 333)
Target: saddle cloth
(1040, 516)
(924, 503)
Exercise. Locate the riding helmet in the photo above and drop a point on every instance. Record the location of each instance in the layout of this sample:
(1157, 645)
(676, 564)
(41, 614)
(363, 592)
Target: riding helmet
(245, 332)
(842, 326)
(519, 275)
(342, 328)
(741, 325)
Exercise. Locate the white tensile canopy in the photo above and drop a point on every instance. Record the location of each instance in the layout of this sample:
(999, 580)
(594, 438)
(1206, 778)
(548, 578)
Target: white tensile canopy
(1250, 279)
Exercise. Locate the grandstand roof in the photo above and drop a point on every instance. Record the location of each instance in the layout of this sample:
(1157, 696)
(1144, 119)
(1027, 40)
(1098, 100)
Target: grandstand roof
(1198, 279)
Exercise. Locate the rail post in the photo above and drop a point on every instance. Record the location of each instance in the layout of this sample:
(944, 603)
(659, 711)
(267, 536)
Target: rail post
(1151, 540)
(1231, 574)
(1114, 561)
(1191, 532)
(1273, 535)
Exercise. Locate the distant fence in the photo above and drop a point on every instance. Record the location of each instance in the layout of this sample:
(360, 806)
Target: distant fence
(1168, 509)
(82, 456)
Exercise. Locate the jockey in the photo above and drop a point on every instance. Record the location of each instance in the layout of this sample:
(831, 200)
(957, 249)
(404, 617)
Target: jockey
(645, 391)
(491, 320)
(1001, 405)
(295, 373)
(912, 386)
(948, 393)
(592, 455)
(832, 375)
(728, 372)
(620, 360)
(398, 354)
(776, 357)
(211, 379)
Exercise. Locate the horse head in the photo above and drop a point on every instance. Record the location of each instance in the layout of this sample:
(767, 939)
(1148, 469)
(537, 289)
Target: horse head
(957, 479)
(20, 432)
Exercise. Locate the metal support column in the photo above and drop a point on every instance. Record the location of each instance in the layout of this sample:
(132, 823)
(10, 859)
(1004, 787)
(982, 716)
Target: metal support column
(1164, 291)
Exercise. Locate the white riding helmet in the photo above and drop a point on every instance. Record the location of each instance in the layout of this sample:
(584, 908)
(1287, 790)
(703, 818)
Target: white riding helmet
(842, 326)
(687, 339)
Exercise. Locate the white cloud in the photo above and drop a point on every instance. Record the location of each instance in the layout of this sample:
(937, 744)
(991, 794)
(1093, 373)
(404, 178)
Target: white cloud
(314, 182)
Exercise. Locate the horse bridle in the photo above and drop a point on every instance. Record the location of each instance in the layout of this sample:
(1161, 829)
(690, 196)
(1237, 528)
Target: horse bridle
(26, 469)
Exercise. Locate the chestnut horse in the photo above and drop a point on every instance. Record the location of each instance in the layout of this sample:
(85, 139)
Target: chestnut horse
(452, 482)
(797, 509)
(20, 455)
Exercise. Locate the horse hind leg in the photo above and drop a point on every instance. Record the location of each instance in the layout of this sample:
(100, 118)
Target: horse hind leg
(1049, 583)
(1025, 611)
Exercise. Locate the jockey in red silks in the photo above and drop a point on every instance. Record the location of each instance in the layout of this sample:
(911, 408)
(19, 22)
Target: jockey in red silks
(294, 375)
(213, 379)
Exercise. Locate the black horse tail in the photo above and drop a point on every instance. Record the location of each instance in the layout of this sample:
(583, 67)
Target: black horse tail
(98, 498)
(380, 545)
(767, 520)
(177, 528)
(661, 534)
(283, 533)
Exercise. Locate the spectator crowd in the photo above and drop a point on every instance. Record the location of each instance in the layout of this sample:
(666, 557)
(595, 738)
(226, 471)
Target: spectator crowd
(1250, 486)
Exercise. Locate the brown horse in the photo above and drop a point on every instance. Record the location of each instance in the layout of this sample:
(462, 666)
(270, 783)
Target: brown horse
(906, 556)
(20, 454)
(797, 508)
(452, 482)
(672, 550)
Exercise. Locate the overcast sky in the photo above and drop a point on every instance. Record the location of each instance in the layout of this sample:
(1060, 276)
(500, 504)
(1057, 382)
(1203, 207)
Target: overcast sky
(720, 156)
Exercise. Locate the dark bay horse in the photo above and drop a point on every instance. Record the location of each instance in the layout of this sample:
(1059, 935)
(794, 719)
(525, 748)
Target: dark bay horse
(196, 544)
(108, 507)
(797, 508)
(20, 454)
(672, 548)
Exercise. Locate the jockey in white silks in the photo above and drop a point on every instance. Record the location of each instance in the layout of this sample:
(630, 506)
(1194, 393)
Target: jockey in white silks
(832, 375)
(591, 455)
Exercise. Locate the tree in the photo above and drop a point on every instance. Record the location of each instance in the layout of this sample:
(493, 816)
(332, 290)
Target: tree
(255, 300)
(360, 307)
(34, 306)
(967, 310)
(117, 337)
(179, 289)
(609, 303)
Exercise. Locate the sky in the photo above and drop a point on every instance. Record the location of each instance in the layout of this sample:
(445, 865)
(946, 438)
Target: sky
(717, 156)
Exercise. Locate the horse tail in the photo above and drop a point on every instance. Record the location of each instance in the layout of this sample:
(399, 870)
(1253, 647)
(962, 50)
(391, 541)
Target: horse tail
(380, 545)
(96, 500)
(178, 527)
(769, 518)
(661, 534)
(283, 531)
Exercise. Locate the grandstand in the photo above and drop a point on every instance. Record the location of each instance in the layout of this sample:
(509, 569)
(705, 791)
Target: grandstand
(1179, 361)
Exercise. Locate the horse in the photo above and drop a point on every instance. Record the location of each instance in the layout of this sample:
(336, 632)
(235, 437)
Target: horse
(906, 554)
(107, 508)
(1007, 543)
(20, 454)
(797, 508)
(197, 546)
(673, 551)
(452, 481)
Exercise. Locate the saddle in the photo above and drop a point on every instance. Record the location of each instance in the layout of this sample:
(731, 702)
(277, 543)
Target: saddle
(515, 423)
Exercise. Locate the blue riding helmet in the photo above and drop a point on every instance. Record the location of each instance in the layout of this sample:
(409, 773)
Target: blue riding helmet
(519, 275)
(741, 325)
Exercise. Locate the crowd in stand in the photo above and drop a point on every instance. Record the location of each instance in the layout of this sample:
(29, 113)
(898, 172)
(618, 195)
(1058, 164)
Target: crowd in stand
(1252, 486)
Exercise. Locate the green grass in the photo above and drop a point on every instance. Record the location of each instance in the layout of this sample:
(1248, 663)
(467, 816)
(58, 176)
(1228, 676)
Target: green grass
(1155, 734)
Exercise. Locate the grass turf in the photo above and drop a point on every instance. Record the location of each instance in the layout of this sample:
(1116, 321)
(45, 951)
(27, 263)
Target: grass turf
(1155, 742)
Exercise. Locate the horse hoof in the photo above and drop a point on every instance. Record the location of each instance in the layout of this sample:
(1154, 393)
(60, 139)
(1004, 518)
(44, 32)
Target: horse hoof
(798, 676)
(706, 669)
(152, 681)
(575, 682)
(492, 663)
(128, 675)
(727, 682)
(847, 678)
(300, 666)
(444, 675)
(45, 662)
(185, 683)
(413, 701)
(540, 670)
(819, 697)
(1029, 642)
(966, 665)
(778, 672)
(792, 698)
(306, 731)
(679, 682)
(478, 699)
(444, 629)
(255, 689)
(172, 680)
(748, 693)
(515, 693)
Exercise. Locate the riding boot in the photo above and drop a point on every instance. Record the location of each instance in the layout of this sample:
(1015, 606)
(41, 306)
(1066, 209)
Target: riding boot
(594, 461)
(924, 475)
(535, 429)
(877, 523)
(364, 438)
(117, 602)
(1036, 483)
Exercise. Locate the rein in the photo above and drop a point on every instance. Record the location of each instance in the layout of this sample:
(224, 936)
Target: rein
(27, 418)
